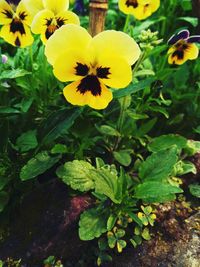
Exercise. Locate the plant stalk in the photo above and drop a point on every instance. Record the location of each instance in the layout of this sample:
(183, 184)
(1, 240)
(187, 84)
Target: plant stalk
(98, 9)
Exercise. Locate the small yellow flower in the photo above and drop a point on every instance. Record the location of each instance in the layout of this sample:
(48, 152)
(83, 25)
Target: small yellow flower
(91, 63)
(16, 20)
(50, 15)
(140, 9)
(183, 47)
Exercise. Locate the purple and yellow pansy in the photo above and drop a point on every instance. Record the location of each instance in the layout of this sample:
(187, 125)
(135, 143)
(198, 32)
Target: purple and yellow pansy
(183, 47)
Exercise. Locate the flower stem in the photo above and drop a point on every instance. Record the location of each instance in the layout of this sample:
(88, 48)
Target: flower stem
(31, 56)
(124, 100)
(127, 21)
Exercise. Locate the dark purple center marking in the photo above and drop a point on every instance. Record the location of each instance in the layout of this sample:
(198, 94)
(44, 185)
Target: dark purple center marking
(90, 82)
(133, 3)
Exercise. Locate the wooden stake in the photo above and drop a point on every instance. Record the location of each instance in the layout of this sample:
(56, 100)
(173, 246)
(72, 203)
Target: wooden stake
(98, 10)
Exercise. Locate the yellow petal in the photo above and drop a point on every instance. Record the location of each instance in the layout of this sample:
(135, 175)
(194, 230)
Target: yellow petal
(67, 37)
(190, 53)
(155, 5)
(24, 14)
(119, 71)
(6, 12)
(68, 17)
(127, 8)
(116, 43)
(33, 6)
(56, 6)
(142, 8)
(73, 96)
(17, 39)
(46, 23)
(39, 24)
(66, 66)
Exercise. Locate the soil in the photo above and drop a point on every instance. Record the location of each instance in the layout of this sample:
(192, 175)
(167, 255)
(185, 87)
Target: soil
(47, 221)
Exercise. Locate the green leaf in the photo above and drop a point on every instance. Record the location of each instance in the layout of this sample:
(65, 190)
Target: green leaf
(122, 157)
(77, 174)
(13, 74)
(136, 116)
(147, 23)
(184, 167)
(27, 141)
(25, 104)
(51, 260)
(120, 233)
(158, 166)
(122, 183)
(156, 191)
(56, 124)
(186, 4)
(146, 234)
(144, 72)
(166, 141)
(195, 190)
(192, 147)
(197, 130)
(146, 127)
(111, 221)
(133, 88)
(120, 245)
(6, 111)
(135, 218)
(4, 197)
(38, 165)
(161, 110)
(106, 183)
(108, 130)
(92, 224)
(112, 241)
(192, 20)
(59, 149)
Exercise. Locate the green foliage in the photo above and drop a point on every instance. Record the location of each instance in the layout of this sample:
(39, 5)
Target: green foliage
(26, 141)
(184, 167)
(165, 141)
(52, 262)
(195, 190)
(57, 124)
(159, 165)
(92, 224)
(152, 191)
(77, 174)
(106, 183)
(123, 157)
(38, 165)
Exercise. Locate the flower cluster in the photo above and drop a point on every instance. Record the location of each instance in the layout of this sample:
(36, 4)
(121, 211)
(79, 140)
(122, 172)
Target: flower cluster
(42, 17)
(91, 63)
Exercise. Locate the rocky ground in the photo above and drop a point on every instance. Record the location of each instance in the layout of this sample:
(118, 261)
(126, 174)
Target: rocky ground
(46, 224)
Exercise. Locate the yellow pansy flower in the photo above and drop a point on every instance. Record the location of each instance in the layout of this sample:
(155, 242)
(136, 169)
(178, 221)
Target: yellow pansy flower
(91, 63)
(52, 15)
(183, 47)
(140, 9)
(15, 19)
